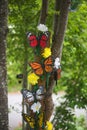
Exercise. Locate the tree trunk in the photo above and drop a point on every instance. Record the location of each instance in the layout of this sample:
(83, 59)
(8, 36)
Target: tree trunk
(24, 85)
(61, 27)
(60, 22)
(3, 72)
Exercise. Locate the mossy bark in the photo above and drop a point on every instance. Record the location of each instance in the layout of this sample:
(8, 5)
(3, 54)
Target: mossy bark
(3, 70)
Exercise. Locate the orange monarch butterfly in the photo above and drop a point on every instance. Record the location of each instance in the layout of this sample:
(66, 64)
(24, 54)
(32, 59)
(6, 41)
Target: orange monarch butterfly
(38, 68)
(29, 120)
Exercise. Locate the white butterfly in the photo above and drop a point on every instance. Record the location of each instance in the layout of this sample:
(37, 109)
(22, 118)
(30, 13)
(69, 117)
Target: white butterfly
(30, 96)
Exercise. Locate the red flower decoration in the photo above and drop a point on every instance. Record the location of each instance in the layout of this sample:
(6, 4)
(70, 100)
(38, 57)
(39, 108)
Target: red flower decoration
(32, 40)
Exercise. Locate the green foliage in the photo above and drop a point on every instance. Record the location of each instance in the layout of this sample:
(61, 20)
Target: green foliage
(74, 71)
(21, 15)
(74, 61)
(80, 123)
(74, 56)
(76, 3)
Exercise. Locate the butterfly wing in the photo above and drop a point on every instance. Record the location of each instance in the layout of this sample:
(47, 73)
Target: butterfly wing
(29, 120)
(37, 68)
(43, 40)
(32, 40)
(41, 118)
(59, 73)
(48, 64)
(40, 93)
(28, 96)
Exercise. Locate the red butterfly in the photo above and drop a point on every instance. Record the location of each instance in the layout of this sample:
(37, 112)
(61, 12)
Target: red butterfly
(33, 41)
(38, 68)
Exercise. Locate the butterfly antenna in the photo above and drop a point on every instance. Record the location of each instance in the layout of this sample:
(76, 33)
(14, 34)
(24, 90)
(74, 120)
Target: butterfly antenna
(28, 34)
(47, 33)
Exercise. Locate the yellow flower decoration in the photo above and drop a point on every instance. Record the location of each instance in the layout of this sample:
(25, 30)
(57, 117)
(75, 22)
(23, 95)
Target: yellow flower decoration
(49, 125)
(47, 52)
(33, 78)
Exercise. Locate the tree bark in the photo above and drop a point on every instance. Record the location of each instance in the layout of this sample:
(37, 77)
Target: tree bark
(3, 71)
(48, 102)
(56, 16)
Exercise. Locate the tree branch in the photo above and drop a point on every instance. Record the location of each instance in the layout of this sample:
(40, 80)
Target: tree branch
(44, 10)
(61, 27)
(56, 15)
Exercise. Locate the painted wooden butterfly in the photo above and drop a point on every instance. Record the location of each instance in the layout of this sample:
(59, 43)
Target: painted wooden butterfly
(38, 68)
(31, 96)
(29, 120)
(41, 40)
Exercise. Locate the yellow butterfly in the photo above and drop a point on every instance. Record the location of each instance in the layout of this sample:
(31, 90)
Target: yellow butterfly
(29, 120)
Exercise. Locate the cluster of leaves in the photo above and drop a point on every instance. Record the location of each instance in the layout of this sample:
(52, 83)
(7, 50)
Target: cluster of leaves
(64, 118)
(81, 124)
